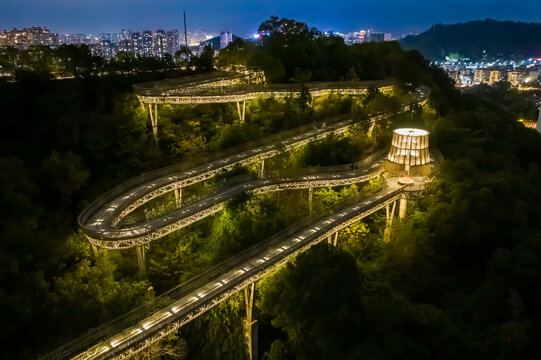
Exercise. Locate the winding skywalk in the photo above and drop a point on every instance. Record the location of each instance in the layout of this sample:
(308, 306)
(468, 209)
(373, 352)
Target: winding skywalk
(100, 221)
(147, 324)
(104, 225)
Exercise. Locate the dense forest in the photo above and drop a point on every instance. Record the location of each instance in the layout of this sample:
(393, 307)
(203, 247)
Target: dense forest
(458, 278)
(478, 38)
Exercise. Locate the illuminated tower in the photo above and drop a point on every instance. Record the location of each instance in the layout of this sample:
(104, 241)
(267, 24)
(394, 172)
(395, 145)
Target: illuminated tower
(409, 152)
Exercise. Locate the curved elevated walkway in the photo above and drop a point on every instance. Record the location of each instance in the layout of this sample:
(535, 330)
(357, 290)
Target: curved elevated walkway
(222, 87)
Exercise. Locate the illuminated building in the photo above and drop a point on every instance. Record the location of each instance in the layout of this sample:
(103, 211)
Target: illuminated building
(146, 44)
(105, 49)
(28, 37)
(362, 36)
(126, 45)
(494, 76)
(159, 44)
(513, 78)
(409, 152)
(480, 76)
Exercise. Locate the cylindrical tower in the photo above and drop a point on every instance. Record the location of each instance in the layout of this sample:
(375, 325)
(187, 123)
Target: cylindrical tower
(409, 152)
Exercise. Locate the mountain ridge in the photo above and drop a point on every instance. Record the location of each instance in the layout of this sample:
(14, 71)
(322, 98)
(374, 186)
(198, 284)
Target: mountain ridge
(470, 39)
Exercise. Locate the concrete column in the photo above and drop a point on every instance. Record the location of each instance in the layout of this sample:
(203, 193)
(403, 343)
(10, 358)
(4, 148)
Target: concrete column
(310, 196)
(335, 243)
(250, 325)
(141, 258)
(154, 120)
(371, 128)
(262, 172)
(243, 111)
(403, 206)
(389, 224)
(238, 110)
(95, 250)
(178, 197)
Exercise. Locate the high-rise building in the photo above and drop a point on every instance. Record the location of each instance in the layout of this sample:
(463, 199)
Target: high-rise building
(513, 78)
(376, 37)
(159, 47)
(494, 76)
(125, 34)
(480, 76)
(126, 46)
(137, 39)
(105, 49)
(362, 36)
(225, 38)
(172, 41)
(147, 44)
(28, 37)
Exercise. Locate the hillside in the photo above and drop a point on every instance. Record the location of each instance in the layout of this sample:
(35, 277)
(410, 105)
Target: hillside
(470, 39)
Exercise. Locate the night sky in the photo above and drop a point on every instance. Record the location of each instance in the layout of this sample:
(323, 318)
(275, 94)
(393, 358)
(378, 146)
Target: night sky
(243, 17)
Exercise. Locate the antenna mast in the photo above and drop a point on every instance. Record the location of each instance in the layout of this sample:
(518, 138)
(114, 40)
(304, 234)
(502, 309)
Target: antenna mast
(186, 38)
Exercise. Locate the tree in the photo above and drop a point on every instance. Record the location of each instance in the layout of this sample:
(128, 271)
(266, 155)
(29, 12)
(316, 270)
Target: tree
(65, 173)
(182, 56)
(205, 61)
(312, 300)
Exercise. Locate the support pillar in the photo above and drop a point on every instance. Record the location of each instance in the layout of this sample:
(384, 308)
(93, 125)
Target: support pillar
(141, 258)
(242, 113)
(238, 110)
(178, 197)
(332, 241)
(154, 120)
(250, 325)
(95, 250)
(403, 206)
(310, 196)
(388, 226)
(371, 128)
(262, 172)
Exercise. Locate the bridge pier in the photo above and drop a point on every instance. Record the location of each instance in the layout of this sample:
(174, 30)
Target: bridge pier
(141, 258)
(250, 325)
(178, 197)
(94, 250)
(262, 172)
(154, 120)
(310, 196)
(332, 241)
(371, 128)
(403, 206)
(389, 215)
(242, 114)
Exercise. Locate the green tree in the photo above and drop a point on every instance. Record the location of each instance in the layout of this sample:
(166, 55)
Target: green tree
(312, 300)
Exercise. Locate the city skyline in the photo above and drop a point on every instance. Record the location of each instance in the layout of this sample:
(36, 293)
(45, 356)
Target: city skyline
(212, 16)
